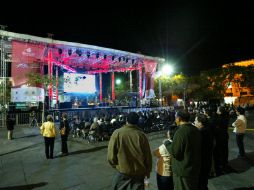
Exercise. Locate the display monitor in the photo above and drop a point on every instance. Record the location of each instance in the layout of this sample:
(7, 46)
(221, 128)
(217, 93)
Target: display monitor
(79, 83)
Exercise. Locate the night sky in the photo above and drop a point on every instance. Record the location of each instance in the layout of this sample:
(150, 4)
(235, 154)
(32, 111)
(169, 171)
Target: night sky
(194, 36)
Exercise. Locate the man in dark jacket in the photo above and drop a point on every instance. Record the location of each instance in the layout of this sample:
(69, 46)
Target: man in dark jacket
(10, 122)
(129, 152)
(64, 126)
(185, 149)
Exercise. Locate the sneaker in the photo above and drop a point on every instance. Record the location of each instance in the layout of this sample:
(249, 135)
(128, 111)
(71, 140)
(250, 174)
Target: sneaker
(60, 154)
(63, 154)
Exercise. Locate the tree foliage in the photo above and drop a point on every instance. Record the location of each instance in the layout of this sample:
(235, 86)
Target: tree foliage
(8, 91)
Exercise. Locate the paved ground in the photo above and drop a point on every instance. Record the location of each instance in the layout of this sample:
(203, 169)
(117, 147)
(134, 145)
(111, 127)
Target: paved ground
(23, 164)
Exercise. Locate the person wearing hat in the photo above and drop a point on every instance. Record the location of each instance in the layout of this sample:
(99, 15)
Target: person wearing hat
(48, 131)
(239, 129)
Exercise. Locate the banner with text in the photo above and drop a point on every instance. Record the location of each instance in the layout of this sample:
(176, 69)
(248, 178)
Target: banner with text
(26, 58)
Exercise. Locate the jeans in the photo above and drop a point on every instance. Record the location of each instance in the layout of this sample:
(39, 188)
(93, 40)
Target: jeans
(49, 146)
(239, 141)
(165, 182)
(64, 139)
(123, 182)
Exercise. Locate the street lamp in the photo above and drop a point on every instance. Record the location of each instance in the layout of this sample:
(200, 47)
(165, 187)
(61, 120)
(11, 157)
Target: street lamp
(118, 81)
(167, 70)
(117, 89)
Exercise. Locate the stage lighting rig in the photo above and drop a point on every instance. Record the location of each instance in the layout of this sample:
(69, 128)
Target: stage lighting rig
(60, 51)
(88, 54)
(78, 52)
(69, 52)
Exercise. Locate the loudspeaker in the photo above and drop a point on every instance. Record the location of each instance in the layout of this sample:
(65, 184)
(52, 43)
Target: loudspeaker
(63, 105)
(84, 104)
(46, 103)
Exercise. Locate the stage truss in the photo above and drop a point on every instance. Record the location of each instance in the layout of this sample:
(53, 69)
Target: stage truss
(80, 58)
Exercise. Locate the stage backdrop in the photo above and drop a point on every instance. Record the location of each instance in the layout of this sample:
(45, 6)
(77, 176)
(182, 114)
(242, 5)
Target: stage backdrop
(25, 59)
(150, 69)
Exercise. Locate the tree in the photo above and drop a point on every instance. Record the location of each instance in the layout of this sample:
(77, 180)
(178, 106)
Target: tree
(8, 91)
(248, 77)
(214, 83)
(36, 79)
(172, 85)
(240, 76)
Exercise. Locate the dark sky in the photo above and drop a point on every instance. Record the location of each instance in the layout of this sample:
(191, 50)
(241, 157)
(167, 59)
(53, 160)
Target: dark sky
(192, 35)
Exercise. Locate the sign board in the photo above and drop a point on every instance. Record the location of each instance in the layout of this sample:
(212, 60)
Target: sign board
(27, 94)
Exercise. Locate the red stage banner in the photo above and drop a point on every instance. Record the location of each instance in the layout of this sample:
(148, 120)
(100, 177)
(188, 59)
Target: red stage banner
(150, 69)
(56, 85)
(50, 74)
(25, 60)
(113, 85)
(140, 82)
(100, 87)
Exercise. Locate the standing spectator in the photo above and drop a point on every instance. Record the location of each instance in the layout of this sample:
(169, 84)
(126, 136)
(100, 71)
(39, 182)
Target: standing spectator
(48, 131)
(185, 149)
(10, 122)
(221, 141)
(94, 130)
(164, 168)
(129, 152)
(64, 127)
(201, 122)
(239, 128)
(212, 119)
(34, 122)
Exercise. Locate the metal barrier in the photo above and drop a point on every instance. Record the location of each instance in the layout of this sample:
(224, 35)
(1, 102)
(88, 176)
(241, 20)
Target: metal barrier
(24, 119)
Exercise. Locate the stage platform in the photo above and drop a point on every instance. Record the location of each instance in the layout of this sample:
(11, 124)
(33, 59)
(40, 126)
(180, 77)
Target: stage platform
(109, 108)
(105, 110)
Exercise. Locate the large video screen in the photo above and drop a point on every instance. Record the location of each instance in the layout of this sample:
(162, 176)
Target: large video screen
(79, 83)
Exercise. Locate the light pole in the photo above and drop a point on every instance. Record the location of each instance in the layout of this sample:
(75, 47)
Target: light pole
(166, 70)
(118, 82)
(160, 93)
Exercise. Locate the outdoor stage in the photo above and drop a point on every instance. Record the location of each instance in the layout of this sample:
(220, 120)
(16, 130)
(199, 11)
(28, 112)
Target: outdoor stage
(39, 64)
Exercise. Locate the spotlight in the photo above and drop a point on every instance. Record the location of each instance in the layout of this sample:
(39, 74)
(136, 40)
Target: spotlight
(69, 52)
(105, 56)
(97, 55)
(119, 59)
(78, 52)
(88, 54)
(123, 58)
(127, 60)
(132, 61)
(60, 51)
(113, 58)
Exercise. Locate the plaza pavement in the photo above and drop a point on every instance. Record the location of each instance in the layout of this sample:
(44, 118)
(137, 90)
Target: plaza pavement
(23, 164)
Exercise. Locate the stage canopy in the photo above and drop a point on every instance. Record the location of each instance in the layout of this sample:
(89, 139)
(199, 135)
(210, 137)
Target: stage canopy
(28, 54)
(76, 57)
